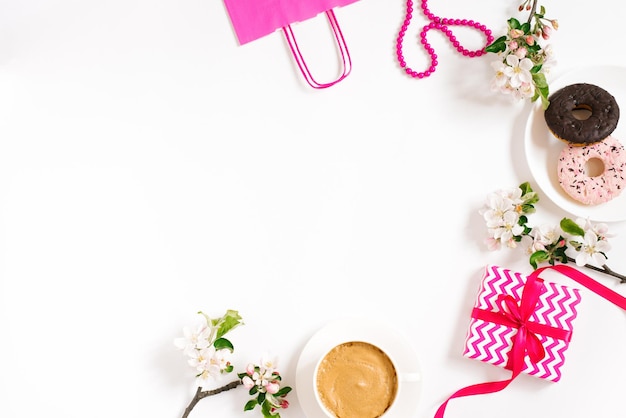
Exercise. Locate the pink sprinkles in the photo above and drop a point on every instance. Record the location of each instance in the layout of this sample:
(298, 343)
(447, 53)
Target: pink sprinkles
(598, 189)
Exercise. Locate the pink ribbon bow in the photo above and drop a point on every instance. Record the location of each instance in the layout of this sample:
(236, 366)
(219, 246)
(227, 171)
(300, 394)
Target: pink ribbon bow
(518, 316)
(526, 341)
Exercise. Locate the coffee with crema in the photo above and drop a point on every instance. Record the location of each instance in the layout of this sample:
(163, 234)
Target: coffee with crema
(356, 380)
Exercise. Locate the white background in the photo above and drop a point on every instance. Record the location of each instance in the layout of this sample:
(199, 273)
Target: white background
(151, 167)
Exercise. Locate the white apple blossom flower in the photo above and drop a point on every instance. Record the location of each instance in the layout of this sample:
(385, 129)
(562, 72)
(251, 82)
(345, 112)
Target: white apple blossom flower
(526, 91)
(262, 377)
(600, 229)
(500, 79)
(196, 338)
(549, 59)
(590, 251)
(269, 363)
(528, 244)
(496, 206)
(508, 228)
(210, 363)
(514, 194)
(545, 235)
(199, 358)
(222, 358)
(518, 70)
(207, 376)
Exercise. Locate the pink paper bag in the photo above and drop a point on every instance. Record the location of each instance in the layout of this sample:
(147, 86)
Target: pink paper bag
(253, 19)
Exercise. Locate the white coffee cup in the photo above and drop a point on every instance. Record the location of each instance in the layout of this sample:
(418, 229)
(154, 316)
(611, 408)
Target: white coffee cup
(358, 379)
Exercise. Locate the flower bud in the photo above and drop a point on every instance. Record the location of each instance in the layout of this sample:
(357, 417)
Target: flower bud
(530, 40)
(272, 388)
(545, 32)
(250, 369)
(247, 382)
(555, 24)
(513, 45)
(521, 53)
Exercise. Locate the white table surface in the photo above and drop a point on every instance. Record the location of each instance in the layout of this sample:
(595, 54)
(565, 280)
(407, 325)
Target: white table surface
(150, 167)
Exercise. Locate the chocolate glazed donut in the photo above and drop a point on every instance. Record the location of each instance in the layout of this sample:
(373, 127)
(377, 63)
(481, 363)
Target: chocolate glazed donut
(582, 96)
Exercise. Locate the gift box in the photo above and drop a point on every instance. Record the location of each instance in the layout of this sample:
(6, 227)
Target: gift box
(499, 314)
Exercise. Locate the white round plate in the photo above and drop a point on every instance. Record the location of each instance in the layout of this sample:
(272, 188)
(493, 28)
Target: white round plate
(378, 334)
(543, 149)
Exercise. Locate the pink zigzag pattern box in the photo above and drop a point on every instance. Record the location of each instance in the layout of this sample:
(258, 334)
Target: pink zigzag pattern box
(491, 342)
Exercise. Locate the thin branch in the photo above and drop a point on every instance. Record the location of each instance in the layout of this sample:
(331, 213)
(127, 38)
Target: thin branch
(604, 269)
(532, 11)
(201, 394)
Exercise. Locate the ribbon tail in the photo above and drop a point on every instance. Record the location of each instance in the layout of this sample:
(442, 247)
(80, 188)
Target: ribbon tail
(491, 387)
(478, 389)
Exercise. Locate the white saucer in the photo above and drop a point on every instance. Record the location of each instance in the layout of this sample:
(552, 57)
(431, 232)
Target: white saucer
(376, 333)
(543, 149)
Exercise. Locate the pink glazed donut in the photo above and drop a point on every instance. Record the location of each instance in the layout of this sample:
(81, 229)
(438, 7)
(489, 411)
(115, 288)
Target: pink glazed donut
(598, 189)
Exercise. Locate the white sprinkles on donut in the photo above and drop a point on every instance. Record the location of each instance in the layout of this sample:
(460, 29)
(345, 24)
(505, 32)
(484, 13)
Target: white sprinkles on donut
(597, 189)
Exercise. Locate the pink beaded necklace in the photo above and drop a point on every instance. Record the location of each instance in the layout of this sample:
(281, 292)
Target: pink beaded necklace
(441, 24)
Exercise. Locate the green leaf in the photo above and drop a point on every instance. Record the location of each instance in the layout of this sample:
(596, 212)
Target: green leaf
(249, 405)
(528, 208)
(261, 398)
(266, 407)
(535, 96)
(531, 198)
(559, 253)
(253, 390)
(229, 321)
(525, 187)
(514, 23)
(499, 45)
(577, 245)
(540, 80)
(525, 28)
(538, 257)
(283, 392)
(222, 343)
(571, 227)
(542, 10)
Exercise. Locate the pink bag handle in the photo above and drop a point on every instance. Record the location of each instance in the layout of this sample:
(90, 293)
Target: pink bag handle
(343, 48)
(572, 273)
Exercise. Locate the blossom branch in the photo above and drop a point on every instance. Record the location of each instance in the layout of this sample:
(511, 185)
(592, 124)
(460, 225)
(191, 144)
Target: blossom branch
(532, 11)
(604, 269)
(201, 394)
(209, 353)
(523, 61)
(581, 241)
